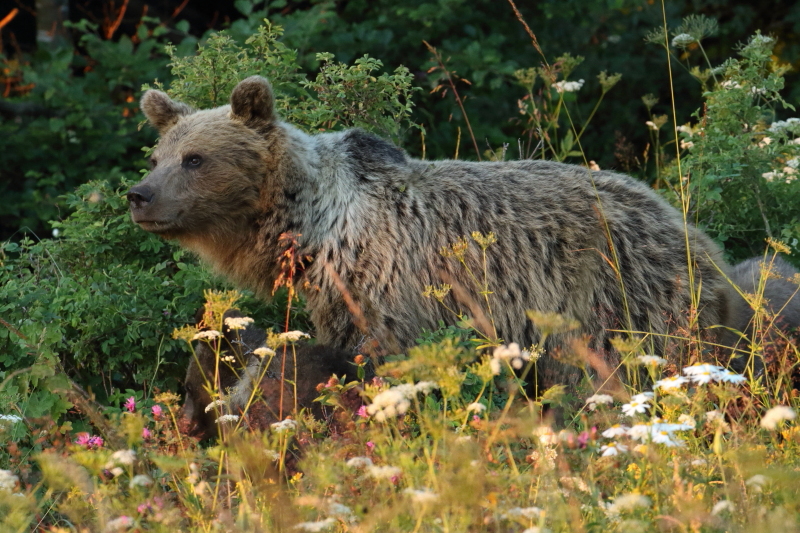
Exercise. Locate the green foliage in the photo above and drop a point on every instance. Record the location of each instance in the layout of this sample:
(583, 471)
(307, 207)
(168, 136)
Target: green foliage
(98, 305)
(550, 130)
(71, 129)
(206, 78)
(742, 164)
(339, 96)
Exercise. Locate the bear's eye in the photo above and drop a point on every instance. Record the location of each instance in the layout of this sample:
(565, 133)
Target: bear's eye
(192, 161)
(153, 163)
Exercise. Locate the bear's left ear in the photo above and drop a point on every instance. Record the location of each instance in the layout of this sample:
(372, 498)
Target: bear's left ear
(252, 102)
(162, 111)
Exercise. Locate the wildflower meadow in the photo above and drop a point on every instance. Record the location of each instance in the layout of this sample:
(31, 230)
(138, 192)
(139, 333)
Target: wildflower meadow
(99, 324)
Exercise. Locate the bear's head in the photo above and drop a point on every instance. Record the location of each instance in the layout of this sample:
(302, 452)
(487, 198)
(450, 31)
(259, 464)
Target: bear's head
(210, 166)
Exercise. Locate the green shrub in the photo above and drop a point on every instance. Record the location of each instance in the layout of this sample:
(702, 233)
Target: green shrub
(737, 175)
(98, 304)
(70, 129)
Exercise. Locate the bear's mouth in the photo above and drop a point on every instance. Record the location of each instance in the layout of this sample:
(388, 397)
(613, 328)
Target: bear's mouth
(155, 226)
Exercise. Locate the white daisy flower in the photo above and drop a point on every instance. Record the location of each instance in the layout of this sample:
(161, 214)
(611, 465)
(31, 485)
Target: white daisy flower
(613, 448)
(617, 430)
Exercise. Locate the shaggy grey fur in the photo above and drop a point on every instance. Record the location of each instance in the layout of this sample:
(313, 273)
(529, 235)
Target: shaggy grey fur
(228, 182)
(780, 289)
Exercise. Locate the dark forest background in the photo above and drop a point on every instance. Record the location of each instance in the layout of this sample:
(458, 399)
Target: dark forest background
(72, 73)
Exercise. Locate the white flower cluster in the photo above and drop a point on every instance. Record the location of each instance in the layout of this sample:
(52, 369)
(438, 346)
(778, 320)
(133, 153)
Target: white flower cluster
(396, 400)
(757, 481)
(208, 334)
(10, 418)
(119, 524)
(651, 360)
(121, 457)
(683, 40)
(511, 354)
(700, 374)
(238, 322)
(284, 426)
(224, 419)
(790, 124)
(787, 175)
(421, 496)
(760, 39)
(598, 399)
(627, 502)
(383, 471)
(7, 480)
(706, 373)
(341, 511)
(264, 351)
(722, 506)
(359, 462)
(320, 525)
(215, 403)
(657, 432)
(292, 336)
(476, 407)
(776, 415)
(141, 480)
(528, 513)
(568, 86)
(789, 172)
(272, 455)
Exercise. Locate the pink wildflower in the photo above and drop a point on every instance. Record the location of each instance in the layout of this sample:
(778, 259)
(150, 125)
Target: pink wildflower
(370, 445)
(583, 439)
(362, 411)
(157, 411)
(89, 441)
(130, 404)
(146, 433)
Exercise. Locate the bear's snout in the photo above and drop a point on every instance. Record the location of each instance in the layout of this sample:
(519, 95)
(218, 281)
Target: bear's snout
(140, 196)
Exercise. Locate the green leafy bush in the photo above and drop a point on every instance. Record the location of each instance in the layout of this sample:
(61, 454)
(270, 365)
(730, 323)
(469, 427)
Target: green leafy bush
(339, 97)
(98, 304)
(70, 129)
(737, 177)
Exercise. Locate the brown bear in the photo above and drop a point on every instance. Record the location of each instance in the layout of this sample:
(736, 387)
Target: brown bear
(596, 247)
(238, 378)
(779, 286)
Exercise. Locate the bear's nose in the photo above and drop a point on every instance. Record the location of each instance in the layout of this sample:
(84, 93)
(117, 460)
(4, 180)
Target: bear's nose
(140, 196)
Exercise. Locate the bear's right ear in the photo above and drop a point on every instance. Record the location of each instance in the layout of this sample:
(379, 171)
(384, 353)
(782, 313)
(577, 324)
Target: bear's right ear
(252, 102)
(162, 111)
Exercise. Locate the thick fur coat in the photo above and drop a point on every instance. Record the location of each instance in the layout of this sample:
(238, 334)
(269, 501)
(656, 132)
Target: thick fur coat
(776, 281)
(597, 247)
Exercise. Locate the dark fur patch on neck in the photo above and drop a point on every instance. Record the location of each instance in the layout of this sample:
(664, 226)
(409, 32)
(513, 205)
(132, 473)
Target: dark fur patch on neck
(371, 155)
